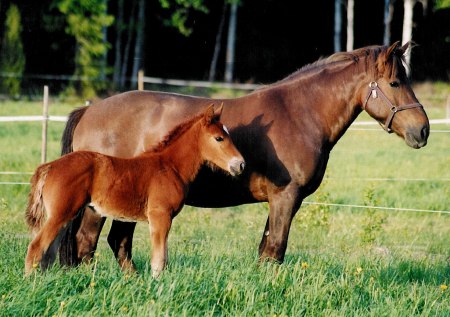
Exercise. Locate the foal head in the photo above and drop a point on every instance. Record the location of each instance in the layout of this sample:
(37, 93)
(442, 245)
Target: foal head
(390, 100)
(215, 143)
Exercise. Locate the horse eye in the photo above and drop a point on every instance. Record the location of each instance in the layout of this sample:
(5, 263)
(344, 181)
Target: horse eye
(394, 84)
(219, 139)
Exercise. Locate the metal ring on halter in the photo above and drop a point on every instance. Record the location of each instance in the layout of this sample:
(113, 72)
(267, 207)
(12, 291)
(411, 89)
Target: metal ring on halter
(373, 84)
(394, 109)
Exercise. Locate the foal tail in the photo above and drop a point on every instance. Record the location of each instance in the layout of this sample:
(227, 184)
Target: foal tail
(72, 122)
(35, 214)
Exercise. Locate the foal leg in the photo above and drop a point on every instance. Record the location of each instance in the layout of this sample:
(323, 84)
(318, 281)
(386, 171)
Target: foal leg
(283, 206)
(159, 223)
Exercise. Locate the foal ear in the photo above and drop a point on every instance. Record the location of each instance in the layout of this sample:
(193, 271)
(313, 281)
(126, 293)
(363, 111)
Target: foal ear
(218, 112)
(208, 115)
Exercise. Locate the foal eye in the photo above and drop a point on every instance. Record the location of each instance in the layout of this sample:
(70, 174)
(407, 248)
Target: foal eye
(394, 84)
(219, 139)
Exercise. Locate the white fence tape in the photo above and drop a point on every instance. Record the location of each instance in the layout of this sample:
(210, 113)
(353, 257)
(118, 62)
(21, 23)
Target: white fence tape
(64, 119)
(32, 118)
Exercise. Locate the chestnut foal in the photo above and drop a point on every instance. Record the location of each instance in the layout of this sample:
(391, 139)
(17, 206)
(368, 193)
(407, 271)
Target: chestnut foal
(150, 187)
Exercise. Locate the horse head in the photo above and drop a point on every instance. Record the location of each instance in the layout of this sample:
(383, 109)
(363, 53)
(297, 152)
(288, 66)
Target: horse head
(216, 145)
(390, 100)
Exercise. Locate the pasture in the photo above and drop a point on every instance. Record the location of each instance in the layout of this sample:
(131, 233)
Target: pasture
(340, 261)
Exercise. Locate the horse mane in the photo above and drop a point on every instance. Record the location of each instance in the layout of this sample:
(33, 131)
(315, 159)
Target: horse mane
(174, 134)
(370, 53)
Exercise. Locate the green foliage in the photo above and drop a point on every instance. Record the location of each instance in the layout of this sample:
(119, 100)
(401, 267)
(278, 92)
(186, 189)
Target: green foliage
(85, 21)
(372, 226)
(181, 9)
(442, 4)
(315, 216)
(12, 57)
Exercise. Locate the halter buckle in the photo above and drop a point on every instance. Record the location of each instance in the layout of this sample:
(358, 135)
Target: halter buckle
(373, 86)
(394, 109)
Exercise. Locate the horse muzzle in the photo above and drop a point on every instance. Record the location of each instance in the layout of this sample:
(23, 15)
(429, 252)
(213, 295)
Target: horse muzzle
(417, 138)
(236, 166)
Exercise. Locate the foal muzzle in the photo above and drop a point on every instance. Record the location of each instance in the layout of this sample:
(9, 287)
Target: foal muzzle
(236, 166)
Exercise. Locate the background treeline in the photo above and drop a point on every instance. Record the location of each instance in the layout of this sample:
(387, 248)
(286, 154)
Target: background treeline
(101, 44)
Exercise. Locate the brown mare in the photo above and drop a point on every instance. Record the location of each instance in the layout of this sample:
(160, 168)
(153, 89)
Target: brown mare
(150, 187)
(285, 132)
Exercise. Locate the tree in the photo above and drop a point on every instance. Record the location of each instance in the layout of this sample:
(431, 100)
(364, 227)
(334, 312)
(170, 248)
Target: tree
(407, 27)
(12, 59)
(337, 25)
(118, 44)
(350, 13)
(388, 15)
(89, 36)
(218, 43)
(231, 42)
(139, 43)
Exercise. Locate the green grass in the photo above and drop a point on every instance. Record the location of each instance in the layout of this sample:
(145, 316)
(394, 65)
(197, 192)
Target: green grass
(339, 262)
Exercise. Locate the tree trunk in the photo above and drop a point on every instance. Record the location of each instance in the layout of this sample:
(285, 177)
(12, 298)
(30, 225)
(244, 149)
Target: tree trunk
(118, 45)
(126, 52)
(407, 27)
(218, 45)
(337, 25)
(139, 44)
(388, 14)
(350, 13)
(231, 41)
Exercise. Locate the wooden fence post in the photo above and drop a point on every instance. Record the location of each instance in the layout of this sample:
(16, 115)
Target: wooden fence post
(44, 125)
(141, 80)
(448, 107)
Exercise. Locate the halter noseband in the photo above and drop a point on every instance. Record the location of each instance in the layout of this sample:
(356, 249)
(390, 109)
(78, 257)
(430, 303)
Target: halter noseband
(374, 90)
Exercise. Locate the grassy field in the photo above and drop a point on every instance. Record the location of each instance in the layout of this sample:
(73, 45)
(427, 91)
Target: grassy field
(340, 261)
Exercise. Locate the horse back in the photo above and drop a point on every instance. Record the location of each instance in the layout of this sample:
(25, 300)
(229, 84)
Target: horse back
(130, 123)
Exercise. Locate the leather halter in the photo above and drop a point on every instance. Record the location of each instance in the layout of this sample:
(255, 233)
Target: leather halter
(374, 91)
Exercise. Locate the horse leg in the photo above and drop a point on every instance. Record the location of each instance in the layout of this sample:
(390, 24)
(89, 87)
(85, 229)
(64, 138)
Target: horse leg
(159, 223)
(87, 236)
(283, 206)
(120, 239)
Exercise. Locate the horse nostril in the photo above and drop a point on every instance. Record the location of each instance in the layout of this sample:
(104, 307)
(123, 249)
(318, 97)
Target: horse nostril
(242, 166)
(424, 133)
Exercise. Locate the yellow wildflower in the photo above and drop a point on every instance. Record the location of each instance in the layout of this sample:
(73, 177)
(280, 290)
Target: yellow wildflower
(443, 287)
(304, 265)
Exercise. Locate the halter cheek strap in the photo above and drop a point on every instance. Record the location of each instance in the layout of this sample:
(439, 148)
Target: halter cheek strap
(374, 91)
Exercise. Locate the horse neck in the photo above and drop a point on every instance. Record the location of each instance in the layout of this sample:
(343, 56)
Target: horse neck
(329, 99)
(184, 154)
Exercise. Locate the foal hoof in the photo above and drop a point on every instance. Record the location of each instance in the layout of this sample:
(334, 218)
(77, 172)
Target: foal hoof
(30, 269)
(156, 274)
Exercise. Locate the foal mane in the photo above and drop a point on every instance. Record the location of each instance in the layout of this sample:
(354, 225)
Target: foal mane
(370, 53)
(175, 133)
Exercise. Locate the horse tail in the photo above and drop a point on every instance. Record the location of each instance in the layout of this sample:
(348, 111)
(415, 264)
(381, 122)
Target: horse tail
(35, 214)
(68, 247)
(72, 122)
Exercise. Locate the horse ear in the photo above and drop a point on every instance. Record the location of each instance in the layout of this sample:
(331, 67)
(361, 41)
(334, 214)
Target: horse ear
(392, 50)
(208, 115)
(401, 50)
